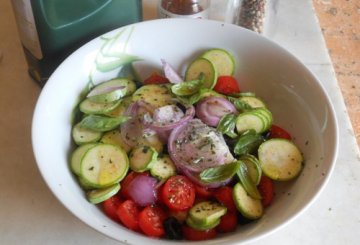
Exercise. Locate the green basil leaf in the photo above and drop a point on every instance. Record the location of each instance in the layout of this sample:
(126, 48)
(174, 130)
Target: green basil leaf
(227, 125)
(102, 123)
(246, 181)
(248, 142)
(240, 105)
(188, 87)
(219, 173)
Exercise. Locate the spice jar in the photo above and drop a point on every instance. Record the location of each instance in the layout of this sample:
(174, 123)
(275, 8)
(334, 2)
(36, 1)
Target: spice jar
(183, 9)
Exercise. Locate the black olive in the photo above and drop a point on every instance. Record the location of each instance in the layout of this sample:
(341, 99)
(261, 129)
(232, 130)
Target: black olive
(266, 135)
(173, 229)
(181, 107)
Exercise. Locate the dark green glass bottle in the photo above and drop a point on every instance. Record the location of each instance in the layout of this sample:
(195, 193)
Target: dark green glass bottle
(50, 30)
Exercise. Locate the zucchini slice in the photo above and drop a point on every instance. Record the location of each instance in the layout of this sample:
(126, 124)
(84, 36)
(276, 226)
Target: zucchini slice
(280, 159)
(84, 135)
(89, 107)
(206, 213)
(142, 158)
(114, 137)
(259, 119)
(125, 87)
(223, 61)
(253, 167)
(157, 95)
(202, 227)
(100, 195)
(77, 155)
(205, 66)
(163, 168)
(249, 207)
(104, 165)
(252, 101)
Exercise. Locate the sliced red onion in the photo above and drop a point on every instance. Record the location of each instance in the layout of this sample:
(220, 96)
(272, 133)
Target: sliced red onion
(194, 146)
(194, 177)
(211, 109)
(103, 90)
(170, 73)
(142, 190)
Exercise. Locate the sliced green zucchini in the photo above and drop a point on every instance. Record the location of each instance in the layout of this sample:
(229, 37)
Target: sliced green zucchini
(83, 135)
(89, 107)
(99, 195)
(77, 155)
(249, 207)
(207, 212)
(280, 159)
(84, 184)
(124, 87)
(142, 158)
(252, 101)
(202, 66)
(114, 137)
(202, 227)
(120, 109)
(157, 95)
(253, 167)
(259, 119)
(247, 182)
(104, 165)
(223, 61)
(163, 168)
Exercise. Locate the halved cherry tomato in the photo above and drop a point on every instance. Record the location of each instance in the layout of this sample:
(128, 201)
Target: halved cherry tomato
(228, 222)
(178, 193)
(225, 196)
(125, 183)
(202, 191)
(110, 207)
(226, 85)
(266, 189)
(128, 213)
(198, 235)
(151, 220)
(278, 132)
(156, 78)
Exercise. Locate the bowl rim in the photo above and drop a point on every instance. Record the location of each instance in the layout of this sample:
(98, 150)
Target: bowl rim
(258, 236)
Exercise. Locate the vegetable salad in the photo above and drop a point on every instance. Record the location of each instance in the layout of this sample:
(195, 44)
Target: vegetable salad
(181, 157)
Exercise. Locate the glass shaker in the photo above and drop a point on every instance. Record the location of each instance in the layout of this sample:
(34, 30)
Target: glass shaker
(183, 9)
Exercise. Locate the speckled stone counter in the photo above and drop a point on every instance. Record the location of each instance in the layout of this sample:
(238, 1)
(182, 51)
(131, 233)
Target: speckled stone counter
(30, 214)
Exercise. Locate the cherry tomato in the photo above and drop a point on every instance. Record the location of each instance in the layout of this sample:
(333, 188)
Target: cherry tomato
(203, 192)
(178, 193)
(278, 132)
(266, 189)
(125, 183)
(155, 78)
(198, 235)
(128, 213)
(225, 196)
(110, 207)
(226, 85)
(228, 222)
(151, 220)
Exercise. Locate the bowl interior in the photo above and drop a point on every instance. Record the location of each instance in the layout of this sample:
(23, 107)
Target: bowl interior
(292, 93)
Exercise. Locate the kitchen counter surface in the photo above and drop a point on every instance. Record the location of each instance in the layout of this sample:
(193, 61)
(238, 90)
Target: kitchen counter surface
(30, 214)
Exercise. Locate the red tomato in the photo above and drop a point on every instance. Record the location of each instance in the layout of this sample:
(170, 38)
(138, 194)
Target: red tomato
(155, 78)
(110, 207)
(226, 85)
(128, 213)
(198, 235)
(125, 183)
(151, 220)
(225, 196)
(178, 193)
(228, 222)
(266, 189)
(278, 132)
(203, 192)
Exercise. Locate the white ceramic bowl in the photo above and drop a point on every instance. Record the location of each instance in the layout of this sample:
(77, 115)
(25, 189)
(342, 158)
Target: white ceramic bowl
(293, 94)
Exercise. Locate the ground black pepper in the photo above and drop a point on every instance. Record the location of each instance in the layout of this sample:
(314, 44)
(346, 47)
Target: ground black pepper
(252, 15)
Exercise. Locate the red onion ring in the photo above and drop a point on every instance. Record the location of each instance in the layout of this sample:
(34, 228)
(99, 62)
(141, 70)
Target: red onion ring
(142, 190)
(211, 109)
(170, 73)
